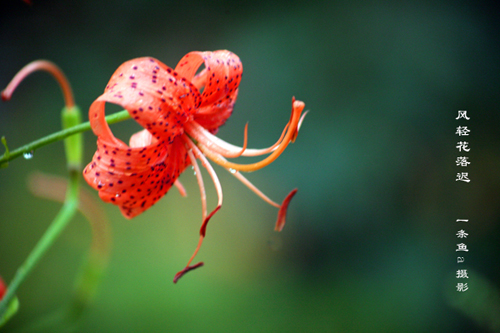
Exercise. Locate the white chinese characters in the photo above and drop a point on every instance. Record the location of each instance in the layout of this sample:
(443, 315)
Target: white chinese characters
(463, 147)
(462, 247)
(462, 114)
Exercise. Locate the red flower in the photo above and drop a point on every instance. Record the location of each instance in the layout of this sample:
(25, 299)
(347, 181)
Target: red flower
(180, 123)
(3, 288)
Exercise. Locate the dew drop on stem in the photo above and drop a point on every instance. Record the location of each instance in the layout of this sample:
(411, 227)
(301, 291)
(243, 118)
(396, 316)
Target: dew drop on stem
(28, 155)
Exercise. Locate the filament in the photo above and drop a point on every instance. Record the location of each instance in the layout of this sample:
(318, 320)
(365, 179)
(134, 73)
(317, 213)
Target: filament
(290, 135)
(193, 153)
(253, 188)
(201, 135)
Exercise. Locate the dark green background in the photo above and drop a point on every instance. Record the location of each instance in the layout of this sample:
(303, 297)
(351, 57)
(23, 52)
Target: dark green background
(370, 240)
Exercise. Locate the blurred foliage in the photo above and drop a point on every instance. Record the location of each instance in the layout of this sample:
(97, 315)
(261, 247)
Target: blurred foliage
(370, 240)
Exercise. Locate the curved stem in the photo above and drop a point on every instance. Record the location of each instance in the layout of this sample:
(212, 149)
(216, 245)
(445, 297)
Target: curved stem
(41, 65)
(111, 119)
(58, 224)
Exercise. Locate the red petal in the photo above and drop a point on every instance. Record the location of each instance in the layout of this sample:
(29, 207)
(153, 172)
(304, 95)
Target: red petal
(218, 116)
(135, 178)
(156, 96)
(220, 80)
(141, 139)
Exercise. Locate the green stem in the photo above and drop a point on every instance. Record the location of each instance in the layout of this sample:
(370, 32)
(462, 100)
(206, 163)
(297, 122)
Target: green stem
(111, 119)
(58, 224)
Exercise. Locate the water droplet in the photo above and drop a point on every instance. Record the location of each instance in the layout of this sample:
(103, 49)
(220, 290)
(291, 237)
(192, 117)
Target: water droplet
(28, 155)
(117, 195)
(232, 170)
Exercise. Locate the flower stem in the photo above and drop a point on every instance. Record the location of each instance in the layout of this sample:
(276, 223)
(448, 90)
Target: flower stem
(111, 119)
(41, 65)
(58, 224)
(71, 203)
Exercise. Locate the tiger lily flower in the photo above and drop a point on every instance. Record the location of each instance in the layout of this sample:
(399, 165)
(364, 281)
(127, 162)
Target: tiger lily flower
(181, 112)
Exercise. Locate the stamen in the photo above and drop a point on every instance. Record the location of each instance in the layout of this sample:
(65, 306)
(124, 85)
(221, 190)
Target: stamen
(215, 179)
(299, 125)
(280, 223)
(207, 139)
(206, 164)
(36, 66)
(180, 187)
(254, 189)
(185, 270)
(193, 153)
(201, 185)
(297, 107)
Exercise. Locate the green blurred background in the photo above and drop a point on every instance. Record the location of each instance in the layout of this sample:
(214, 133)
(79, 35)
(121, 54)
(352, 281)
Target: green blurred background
(370, 239)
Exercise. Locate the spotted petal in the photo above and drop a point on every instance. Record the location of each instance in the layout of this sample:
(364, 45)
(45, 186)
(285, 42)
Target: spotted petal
(162, 101)
(219, 80)
(155, 95)
(135, 178)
